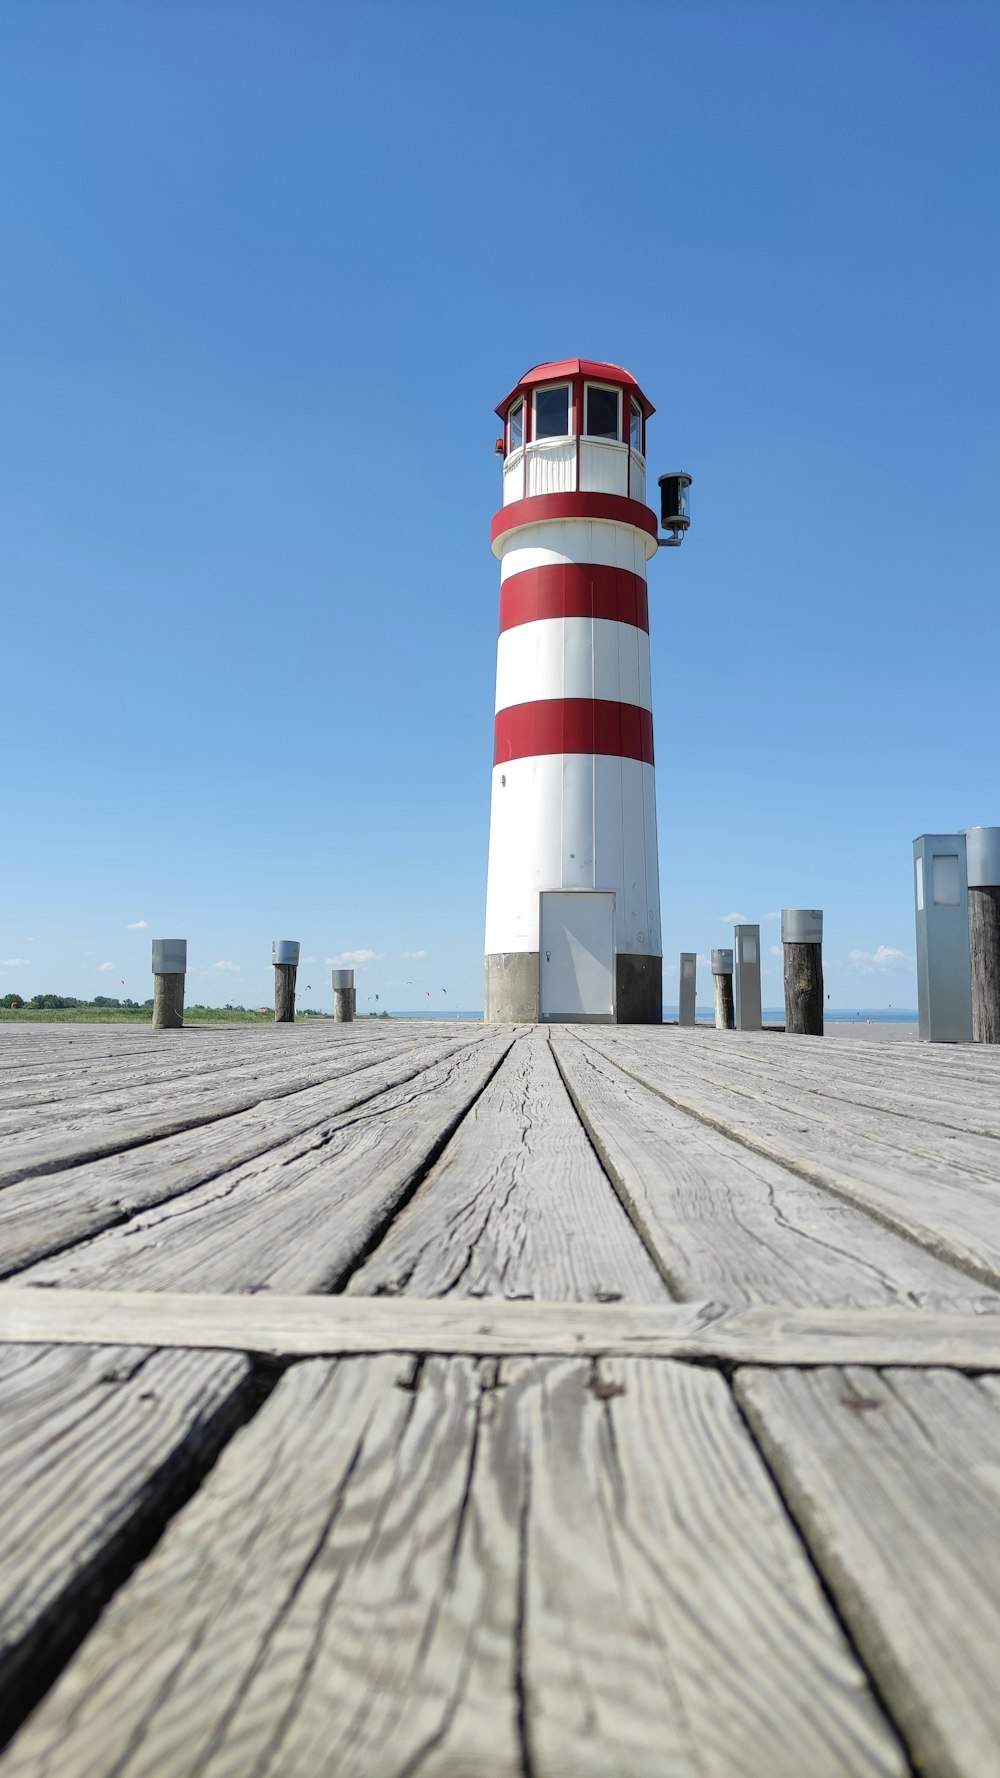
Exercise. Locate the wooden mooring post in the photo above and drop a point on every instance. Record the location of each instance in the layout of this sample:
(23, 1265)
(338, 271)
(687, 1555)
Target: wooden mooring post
(343, 996)
(802, 940)
(983, 858)
(722, 989)
(169, 970)
(285, 957)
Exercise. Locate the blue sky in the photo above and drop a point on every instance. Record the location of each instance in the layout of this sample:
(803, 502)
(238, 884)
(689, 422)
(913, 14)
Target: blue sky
(268, 269)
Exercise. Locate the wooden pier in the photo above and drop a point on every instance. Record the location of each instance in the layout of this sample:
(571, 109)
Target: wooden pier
(442, 1401)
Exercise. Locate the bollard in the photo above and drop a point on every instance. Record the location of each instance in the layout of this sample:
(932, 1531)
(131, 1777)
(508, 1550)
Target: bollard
(982, 848)
(722, 986)
(285, 957)
(944, 976)
(746, 944)
(802, 939)
(169, 970)
(343, 996)
(688, 988)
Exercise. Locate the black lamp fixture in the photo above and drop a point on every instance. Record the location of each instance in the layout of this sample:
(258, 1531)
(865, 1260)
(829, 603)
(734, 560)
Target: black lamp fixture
(675, 508)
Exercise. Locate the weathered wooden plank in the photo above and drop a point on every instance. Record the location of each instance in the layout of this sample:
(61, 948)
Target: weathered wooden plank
(46, 1214)
(836, 1072)
(94, 1443)
(727, 1224)
(517, 1206)
(306, 1326)
(946, 1207)
(558, 1575)
(299, 1216)
(31, 1155)
(918, 1138)
(255, 1077)
(894, 1479)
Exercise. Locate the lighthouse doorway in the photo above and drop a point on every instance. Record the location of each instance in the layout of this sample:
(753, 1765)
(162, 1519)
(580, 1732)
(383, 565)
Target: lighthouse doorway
(577, 960)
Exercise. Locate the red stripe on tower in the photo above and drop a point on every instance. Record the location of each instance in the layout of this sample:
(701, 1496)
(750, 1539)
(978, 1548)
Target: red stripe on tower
(573, 725)
(574, 589)
(542, 508)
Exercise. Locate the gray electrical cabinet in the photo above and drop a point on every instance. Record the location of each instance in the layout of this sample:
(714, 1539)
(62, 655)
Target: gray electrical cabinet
(746, 982)
(944, 970)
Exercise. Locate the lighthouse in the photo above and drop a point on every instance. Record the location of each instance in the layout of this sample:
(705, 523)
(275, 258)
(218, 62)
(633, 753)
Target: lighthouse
(573, 899)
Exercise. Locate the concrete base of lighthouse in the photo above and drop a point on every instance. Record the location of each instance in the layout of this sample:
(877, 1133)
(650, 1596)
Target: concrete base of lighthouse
(512, 989)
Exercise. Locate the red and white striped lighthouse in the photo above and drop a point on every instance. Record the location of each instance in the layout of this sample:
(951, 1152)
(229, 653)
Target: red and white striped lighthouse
(573, 900)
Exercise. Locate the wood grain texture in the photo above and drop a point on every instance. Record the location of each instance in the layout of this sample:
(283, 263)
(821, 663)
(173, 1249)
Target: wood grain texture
(302, 1326)
(894, 1479)
(725, 1223)
(803, 973)
(545, 1573)
(300, 1215)
(284, 993)
(895, 1171)
(168, 1002)
(45, 1215)
(77, 1138)
(517, 1206)
(92, 1443)
(984, 949)
(725, 1008)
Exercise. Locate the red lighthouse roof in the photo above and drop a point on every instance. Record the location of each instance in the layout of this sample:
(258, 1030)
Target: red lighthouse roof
(577, 367)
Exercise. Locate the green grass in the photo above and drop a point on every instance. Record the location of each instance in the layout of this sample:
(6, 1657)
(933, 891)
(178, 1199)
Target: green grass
(125, 1015)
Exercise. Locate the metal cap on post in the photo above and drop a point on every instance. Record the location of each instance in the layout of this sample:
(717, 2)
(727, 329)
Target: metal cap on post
(170, 956)
(688, 988)
(944, 973)
(982, 850)
(722, 989)
(285, 957)
(746, 944)
(802, 926)
(169, 970)
(802, 941)
(343, 996)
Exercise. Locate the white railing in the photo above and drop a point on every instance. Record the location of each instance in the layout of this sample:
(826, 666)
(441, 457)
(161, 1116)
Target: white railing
(552, 466)
(549, 466)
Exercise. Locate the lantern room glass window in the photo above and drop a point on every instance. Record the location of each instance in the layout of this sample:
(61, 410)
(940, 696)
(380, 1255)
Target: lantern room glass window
(635, 426)
(552, 412)
(603, 413)
(515, 427)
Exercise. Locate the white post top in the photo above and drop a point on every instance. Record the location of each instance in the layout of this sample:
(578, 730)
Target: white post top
(343, 978)
(170, 956)
(802, 926)
(722, 962)
(284, 950)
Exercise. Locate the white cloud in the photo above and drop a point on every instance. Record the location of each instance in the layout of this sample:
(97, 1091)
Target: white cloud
(773, 916)
(15, 962)
(137, 926)
(414, 956)
(105, 966)
(361, 956)
(223, 967)
(308, 959)
(733, 919)
(776, 950)
(876, 962)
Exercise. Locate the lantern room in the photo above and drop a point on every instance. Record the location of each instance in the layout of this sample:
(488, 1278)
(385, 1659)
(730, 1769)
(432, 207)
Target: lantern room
(576, 426)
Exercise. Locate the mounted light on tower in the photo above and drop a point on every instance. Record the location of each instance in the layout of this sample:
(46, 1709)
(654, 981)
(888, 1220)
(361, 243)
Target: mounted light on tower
(675, 508)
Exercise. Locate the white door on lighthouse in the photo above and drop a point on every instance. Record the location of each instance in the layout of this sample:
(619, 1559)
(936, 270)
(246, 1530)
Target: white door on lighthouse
(577, 962)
